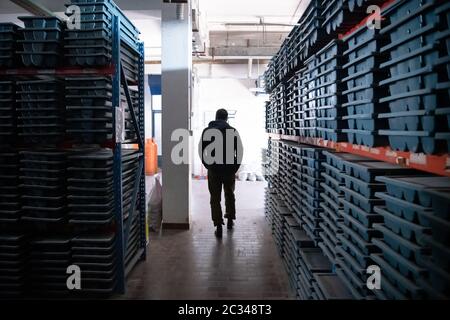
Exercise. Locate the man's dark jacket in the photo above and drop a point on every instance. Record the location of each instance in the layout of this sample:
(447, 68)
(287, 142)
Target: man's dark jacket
(223, 168)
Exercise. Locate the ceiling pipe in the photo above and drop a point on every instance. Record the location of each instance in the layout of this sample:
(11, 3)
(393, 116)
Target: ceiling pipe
(34, 8)
(253, 24)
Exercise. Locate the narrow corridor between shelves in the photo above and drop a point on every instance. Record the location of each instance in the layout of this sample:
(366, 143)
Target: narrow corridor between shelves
(193, 264)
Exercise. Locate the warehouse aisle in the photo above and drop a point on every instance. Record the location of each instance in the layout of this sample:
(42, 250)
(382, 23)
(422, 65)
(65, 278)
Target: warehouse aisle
(193, 264)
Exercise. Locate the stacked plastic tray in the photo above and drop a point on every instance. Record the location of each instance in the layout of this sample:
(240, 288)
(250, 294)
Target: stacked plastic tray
(90, 186)
(311, 261)
(13, 254)
(9, 186)
(285, 169)
(49, 259)
(7, 111)
(89, 109)
(308, 115)
(281, 211)
(337, 16)
(296, 174)
(312, 159)
(312, 32)
(269, 76)
(291, 97)
(43, 178)
(95, 255)
(414, 247)
(294, 48)
(415, 91)
(274, 164)
(359, 219)
(41, 46)
(92, 44)
(328, 286)
(297, 102)
(9, 34)
(300, 241)
(362, 92)
(279, 106)
(442, 114)
(290, 253)
(330, 203)
(328, 92)
(41, 111)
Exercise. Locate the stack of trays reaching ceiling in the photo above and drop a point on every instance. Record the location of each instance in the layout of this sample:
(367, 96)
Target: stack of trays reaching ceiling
(8, 40)
(43, 177)
(359, 219)
(9, 186)
(311, 261)
(41, 111)
(362, 91)
(415, 244)
(12, 264)
(7, 111)
(89, 109)
(49, 260)
(90, 186)
(312, 159)
(42, 41)
(95, 255)
(328, 89)
(416, 92)
(91, 45)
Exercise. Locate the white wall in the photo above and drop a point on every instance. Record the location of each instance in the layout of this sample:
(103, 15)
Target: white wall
(227, 86)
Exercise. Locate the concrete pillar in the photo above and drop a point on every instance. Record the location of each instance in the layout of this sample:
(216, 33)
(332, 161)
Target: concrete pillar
(176, 106)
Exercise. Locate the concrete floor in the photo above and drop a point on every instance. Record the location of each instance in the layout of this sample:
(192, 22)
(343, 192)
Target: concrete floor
(193, 264)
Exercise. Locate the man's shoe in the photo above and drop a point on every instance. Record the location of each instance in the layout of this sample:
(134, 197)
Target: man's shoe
(230, 224)
(219, 231)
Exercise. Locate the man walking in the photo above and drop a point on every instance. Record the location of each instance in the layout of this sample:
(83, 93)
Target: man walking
(221, 153)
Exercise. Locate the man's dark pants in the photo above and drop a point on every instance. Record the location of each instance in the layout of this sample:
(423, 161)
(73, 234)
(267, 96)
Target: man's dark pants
(215, 183)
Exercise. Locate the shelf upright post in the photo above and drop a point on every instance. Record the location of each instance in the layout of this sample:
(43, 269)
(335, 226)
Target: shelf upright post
(118, 204)
(142, 207)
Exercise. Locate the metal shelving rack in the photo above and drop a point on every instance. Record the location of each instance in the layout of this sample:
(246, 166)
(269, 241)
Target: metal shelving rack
(115, 70)
(436, 164)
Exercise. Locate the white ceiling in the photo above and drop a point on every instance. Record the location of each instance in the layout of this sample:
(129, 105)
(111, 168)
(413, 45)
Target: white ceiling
(219, 13)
